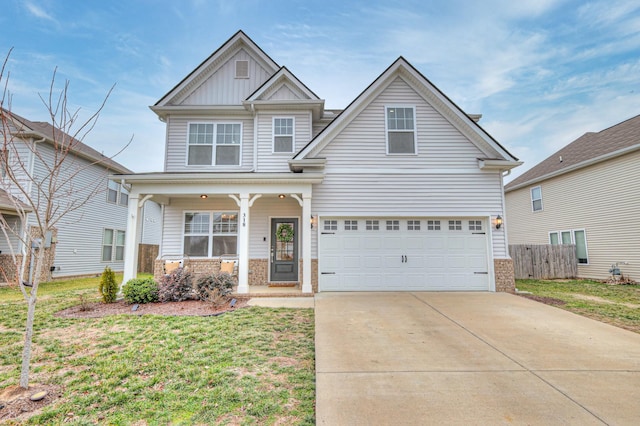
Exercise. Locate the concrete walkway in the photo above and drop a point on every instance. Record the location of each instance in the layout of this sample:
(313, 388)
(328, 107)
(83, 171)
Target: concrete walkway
(469, 358)
(282, 302)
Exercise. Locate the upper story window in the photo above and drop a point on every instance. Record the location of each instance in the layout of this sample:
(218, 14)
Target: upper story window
(283, 135)
(401, 132)
(214, 143)
(536, 198)
(117, 193)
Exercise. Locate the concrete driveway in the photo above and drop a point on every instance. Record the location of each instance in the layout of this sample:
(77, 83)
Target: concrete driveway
(469, 359)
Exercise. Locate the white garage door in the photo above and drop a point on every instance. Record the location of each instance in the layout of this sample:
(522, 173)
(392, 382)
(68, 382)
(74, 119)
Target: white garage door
(393, 254)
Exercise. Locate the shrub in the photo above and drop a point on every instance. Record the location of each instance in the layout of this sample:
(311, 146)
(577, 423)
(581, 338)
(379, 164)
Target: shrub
(176, 286)
(140, 290)
(215, 288)
(108, 287)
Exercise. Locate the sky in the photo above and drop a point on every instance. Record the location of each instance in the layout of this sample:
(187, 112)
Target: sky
(541, 72)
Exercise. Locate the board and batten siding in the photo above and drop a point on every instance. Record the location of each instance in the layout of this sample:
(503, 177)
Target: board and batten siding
(223, 88)
(602, 199)
(269, 161)
(80, 233)
(443, 180)
(177, 135)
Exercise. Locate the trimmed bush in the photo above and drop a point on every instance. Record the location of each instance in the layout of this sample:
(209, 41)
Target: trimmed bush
(176, 286)
(216, 286)
(108, 287)
(140, 290)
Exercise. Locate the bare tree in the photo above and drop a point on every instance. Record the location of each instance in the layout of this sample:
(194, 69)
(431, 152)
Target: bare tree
(42, 196)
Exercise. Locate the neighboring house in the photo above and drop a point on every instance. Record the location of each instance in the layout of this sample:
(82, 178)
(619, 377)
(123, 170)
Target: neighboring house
(400, 191)
(586, 194)
(87, 239)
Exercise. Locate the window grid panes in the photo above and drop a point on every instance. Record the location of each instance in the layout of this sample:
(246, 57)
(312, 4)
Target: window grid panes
(393, 225)
(573, 236)
(372, 225)
(208, 234)
(433, 225)
(283, 135)
(350, 225)
(112, 191)
(475, 225)
(400, 130)
(413, 225)
(113, 242)
(201, 138)
(455, 225)
(330, 225)
(536, 198)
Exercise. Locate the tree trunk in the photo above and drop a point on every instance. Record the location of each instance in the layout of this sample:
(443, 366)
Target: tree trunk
(28, 338)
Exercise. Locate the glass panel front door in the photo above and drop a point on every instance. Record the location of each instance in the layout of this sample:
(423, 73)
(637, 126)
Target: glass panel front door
(284, 250)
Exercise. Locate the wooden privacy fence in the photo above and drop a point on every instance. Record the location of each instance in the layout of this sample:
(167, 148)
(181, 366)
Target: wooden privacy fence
(544, 261)
(147, 254)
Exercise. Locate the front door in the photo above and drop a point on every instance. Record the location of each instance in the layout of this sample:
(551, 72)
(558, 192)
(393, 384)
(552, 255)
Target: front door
(284, 250)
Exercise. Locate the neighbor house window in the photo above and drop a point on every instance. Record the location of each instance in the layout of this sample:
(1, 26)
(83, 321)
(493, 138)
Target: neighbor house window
(573, 236)
(210, 234)
(214, 143)
(401, 133)
(117, 193)
(283, 135)
(113, 245)
(536, 198)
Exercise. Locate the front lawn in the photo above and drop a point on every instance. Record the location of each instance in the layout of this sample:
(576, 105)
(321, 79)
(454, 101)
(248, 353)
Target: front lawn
(614, 304)
(250, 366)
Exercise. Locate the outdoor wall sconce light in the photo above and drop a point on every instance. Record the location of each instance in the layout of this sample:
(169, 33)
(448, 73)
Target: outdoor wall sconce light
(314, 221)
(498, 222)
(204, 196)
(281, 196)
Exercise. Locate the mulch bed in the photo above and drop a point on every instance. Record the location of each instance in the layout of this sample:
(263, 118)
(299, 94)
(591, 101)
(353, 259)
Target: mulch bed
(16, 404)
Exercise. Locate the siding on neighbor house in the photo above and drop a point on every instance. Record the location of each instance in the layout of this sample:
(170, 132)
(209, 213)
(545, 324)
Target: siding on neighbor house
(151, 227)
(222, 88)
(176, 148)
(602, 199)
(80, 233)
(16, 244)
(269, 161)
(442, 180)
(22, 154)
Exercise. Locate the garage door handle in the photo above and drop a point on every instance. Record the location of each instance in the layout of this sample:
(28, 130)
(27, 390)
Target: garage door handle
(478, 233)
(327, 233)
(481, 273)
(327, 273)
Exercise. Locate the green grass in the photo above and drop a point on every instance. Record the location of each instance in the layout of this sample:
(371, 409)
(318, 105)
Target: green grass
(250, 366)
(615, 304)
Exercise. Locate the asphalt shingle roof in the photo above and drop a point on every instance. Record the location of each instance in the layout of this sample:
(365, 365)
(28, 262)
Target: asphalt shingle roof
(587, 147)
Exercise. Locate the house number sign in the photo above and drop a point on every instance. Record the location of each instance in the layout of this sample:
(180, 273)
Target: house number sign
(244, 219)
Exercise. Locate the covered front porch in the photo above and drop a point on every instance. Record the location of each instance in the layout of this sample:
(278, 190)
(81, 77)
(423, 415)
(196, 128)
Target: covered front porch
(263, 222)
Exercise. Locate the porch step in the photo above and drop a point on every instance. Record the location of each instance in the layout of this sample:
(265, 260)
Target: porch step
(284, 285)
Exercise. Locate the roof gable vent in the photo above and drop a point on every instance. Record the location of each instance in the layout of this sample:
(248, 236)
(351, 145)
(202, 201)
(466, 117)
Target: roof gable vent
(242, 69)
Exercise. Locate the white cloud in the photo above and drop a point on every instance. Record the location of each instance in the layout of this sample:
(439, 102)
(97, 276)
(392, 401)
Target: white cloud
(39, 12)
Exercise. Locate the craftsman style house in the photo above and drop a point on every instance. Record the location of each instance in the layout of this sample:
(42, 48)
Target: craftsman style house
(400, 191)
(92, 235)
(585, 194)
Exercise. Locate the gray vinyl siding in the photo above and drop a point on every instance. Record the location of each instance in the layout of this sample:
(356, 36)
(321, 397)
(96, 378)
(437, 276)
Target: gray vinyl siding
(16, 244)
(602, 199)
(21, 162)
(269, 161)
(151, 227)
(222, 88)
(362, 180)
(177, 133)
(79, 247)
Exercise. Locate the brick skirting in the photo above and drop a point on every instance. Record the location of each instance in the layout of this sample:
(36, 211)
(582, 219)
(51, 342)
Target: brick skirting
(505, 276)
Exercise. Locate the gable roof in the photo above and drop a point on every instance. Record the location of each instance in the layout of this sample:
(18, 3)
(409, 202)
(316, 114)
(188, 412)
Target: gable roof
(588, 149)
(402, 68)
(215, 60)
(42, 130)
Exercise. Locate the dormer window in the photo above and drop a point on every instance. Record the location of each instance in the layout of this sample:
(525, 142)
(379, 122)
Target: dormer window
(202, 151)
(283, 135)
(401, 132)
(242, 69)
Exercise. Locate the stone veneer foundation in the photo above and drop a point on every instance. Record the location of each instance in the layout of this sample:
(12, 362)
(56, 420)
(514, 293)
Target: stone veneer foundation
(505, 275)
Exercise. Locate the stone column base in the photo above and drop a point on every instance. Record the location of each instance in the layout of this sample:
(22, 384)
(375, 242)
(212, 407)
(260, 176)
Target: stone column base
(505, 275)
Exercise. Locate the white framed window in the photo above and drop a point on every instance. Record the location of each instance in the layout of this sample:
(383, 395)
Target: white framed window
(433, 225)
(283, 134)
(393, 225)
(113, 241)
(455, 225)
(210, 234)
(413, 225)
(400, 129)
(475, 225)
(350, 225)
(330, 225)
(536, 198)
(372, 225)
(117, 193)
(572, 236)
(214, 144)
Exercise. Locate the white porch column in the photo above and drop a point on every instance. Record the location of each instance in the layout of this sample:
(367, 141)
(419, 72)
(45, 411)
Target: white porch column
(131, 246)
(243, 244)
(306, 244)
